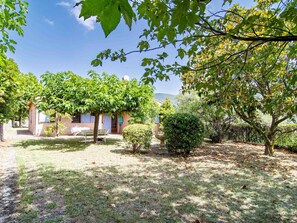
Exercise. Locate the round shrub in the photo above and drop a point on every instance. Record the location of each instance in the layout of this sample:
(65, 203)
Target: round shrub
(183, 132)
(138, 135)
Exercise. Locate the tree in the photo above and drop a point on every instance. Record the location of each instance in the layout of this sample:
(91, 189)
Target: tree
(250, 84)
(166, 109)
(60, 94)
(30, 89)
(184, 24)
(108, 94)
(146, 113)
(138, 99)
(101, 94)
(13, 17)
(9, 92)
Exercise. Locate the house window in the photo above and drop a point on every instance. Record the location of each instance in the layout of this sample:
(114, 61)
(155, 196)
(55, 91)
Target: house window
(44, 118)
(87, 118)
(76, 118)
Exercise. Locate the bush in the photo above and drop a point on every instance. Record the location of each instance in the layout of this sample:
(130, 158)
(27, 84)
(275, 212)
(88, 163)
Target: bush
(244, 133)
(183, 132)
(138, 135)
(51, 129)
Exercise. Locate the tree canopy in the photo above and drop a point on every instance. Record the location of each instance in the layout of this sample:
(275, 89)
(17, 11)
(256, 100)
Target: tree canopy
(187, 25)
(10, 90)
(250, 84)
(12, 18)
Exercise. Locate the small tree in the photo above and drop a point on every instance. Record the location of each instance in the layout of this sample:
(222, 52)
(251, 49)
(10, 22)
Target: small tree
(166, 109)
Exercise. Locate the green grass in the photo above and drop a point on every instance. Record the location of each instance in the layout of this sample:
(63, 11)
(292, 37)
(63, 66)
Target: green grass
(216, 184)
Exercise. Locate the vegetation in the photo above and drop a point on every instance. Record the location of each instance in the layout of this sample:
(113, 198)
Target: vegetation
(185, 25)
(139, 136)
(30, 89)
(13, 17)
(51, 129)
(246, 133)
(216, 120)
(250, 85)
(250, 49)
(183, 132)
(59, 95)
(9, 90)
(166, 109)
(146, 113)
(108, 94)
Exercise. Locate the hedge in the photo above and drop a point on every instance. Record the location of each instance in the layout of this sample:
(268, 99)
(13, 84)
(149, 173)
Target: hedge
(245, 133)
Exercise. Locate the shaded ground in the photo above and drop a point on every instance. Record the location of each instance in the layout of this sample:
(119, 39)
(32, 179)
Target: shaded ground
(66, 180)
(8, 178)
(9, 173)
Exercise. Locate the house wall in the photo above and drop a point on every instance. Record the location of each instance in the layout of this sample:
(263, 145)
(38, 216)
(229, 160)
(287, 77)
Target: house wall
(126, 118)
(68, 124)
(37, 128)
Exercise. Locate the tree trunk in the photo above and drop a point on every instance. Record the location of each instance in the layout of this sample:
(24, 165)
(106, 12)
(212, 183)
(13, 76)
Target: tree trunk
(20, 119)
(57, 125)
(269, 145)
(2, 132)
(96, 125)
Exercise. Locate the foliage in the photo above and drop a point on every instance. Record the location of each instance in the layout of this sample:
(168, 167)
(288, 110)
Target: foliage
(138, 100)
(138, 135)
(251, 85)
(183, 132)
(108, 94)
(246, 133)
(287, 141)
(185, 25)
(12, 18)
(146, 114)
(9, 90)
(52, 129)
(30, 89)
(60, 94)
(166, 109)
(216, 120)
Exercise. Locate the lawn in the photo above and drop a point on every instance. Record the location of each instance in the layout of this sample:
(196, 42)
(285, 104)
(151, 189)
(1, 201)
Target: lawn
(66, 180)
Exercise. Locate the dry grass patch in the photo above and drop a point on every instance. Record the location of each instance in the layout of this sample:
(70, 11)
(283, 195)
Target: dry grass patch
(106, 183)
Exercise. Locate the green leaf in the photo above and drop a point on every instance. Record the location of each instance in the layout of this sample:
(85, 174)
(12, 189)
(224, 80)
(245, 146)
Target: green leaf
(110, 18)
(92, 8)
(127, 12)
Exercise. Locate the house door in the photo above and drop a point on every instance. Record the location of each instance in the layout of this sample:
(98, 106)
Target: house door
(114, 124)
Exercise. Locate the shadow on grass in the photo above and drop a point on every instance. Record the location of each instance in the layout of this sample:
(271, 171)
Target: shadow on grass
(242, 156)
(165, 193)
(62, 144)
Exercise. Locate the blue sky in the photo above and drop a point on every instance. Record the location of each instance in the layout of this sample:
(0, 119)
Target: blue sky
(56, 40)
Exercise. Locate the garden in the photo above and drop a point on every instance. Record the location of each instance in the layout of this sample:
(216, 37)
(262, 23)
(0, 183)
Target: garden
(224, 152)
(67, 180)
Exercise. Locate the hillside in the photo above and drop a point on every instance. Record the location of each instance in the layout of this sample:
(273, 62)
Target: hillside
(162, 96)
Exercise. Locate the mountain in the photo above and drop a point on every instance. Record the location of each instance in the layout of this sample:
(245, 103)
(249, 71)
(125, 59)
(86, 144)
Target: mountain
(162, 96)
